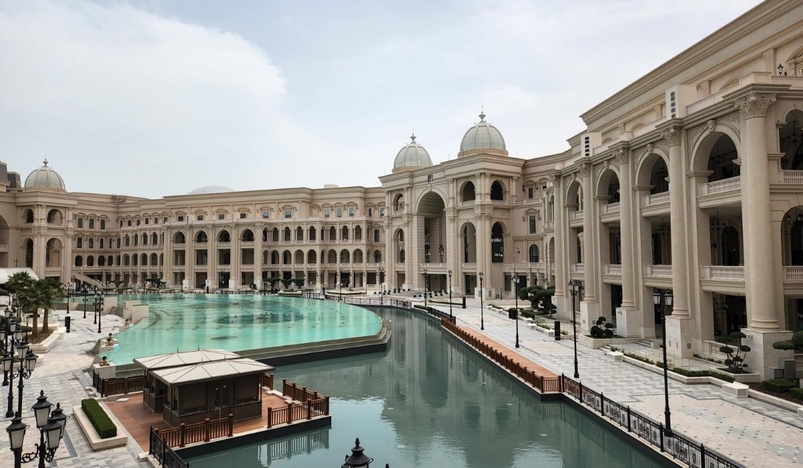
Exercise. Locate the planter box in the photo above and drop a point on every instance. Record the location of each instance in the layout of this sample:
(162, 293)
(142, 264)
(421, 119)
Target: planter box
(596, 343)
(48, 343)
(120, 440)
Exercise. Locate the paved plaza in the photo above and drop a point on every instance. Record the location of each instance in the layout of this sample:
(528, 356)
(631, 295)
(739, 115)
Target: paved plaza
(749, 431)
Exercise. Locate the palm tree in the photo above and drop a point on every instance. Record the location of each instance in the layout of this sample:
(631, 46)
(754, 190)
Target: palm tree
(33, 295)
(17, 282)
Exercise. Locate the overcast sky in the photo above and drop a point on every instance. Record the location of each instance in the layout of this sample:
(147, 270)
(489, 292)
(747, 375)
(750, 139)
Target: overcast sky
(154, 98)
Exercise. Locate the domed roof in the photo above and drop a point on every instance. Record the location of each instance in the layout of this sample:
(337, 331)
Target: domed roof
(411, 156)
(210, 189)
(482, 138)
(44, 178)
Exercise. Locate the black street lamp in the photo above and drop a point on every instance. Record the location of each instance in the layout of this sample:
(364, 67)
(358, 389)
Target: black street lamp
(426, 286)
(482, 315)
(340, 284)
(450, 295)
(99, 294)
(6, 336)
(51, 430)
(515, 280)
(381, 286)
(27, 364)
(574, 288)
(358, 459)
(663, 299)
(83, 291)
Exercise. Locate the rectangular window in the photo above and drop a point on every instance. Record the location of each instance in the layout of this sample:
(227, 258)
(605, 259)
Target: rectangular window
(180, 218)
(326, 212)
(129, 223)
(339, 212)
(382, 212)
(266, 214)
(102, 224)
(147, 220)
(164, 220)
(91, 243)
(242, 215)
(80, 223)
(351, 211)
(529, 192)
(80, 243)
(91, 224)
(532, 224)
(288, 214)
(221, 216)
(370, 212)
(137, 222)
(101, 243)
(376, 235)
(118, 246)
(199, 217)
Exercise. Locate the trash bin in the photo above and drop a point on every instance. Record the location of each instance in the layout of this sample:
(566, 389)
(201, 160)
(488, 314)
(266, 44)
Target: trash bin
(557, 330)
(464, 302)
(67, 323)
(512, 313)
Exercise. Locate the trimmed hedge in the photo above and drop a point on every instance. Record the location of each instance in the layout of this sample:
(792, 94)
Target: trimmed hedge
(797, 393)
(99, 418)
(776, 385)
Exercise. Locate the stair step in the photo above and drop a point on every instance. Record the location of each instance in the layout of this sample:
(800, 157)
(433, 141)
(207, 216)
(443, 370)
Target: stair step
(645, 343)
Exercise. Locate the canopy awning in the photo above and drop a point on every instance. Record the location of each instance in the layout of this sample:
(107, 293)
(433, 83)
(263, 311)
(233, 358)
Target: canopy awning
(210, 371)
(162, 361)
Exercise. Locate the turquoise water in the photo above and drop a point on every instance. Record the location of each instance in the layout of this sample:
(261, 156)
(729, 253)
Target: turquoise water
(237, 323)
(429, 402)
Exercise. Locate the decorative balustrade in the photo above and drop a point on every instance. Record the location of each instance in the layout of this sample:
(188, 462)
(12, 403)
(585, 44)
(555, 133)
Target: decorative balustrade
(610, 208)
(790, 177)
(576, 215)
(660, 271)
(793, 274)
(724, 185)
(615, 270)
(655, 199)
(722, 273)
(549, 225)
(578, 267)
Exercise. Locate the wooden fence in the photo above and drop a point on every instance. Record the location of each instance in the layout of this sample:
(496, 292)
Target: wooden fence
(544, 384)
(108, 387)
(310, 404)
(204, 431)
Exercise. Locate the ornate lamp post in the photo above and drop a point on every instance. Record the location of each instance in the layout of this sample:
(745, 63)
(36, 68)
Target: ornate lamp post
(482, 315)
(27, 364)
(450, 295)
(51, 430)
(381, 285)
(358, 459)
(99, 306)
(663, 299)
(426, 286)
(340, 283)
(515, 280)
(7, 337)
(574, 288)
(83, 291)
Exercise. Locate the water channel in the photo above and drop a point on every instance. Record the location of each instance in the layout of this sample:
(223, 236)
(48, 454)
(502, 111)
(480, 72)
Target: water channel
(430, 402)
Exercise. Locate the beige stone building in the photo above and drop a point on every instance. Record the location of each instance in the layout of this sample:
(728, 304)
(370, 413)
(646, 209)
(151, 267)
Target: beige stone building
(690, 179)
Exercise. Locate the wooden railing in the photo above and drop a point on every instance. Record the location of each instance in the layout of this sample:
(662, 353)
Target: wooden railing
(544, 384)
(298, 411)
(267, 380)
(302, 394)
(204, 431)
(120, 386)
(163, 453)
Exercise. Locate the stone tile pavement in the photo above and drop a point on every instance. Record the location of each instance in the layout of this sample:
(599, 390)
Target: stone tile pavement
(749, 431)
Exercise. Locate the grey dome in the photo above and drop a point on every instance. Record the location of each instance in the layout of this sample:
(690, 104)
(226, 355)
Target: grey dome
(210, 189)
(411, 156)
(482, 136)
(44, 178)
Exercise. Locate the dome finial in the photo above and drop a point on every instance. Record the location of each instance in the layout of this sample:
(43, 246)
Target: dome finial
(482, 114)
(412, 137)
(45, 161)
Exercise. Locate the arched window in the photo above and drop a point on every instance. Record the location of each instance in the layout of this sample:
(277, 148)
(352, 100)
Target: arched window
(101, 261)
(312, 233)
(299, 233)
(110, 261)
(224, 236)
(287, 257)
(247, 236)
(358, 233)
(468, 192)
(497, 193)
(274, 258)
(154, 239)
(287, 234)
(332, 234)
(127, 241)
(90, 261)
(401, 256)
(534, 257)
(275, 234)
(377, 256)
(28, 216)
(144, 239)
(201, 238)
(497, 244)
(344, 233)
(134, 259)
(79, 261)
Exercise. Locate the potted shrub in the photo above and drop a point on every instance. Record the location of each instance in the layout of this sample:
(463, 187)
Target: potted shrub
(736, 353)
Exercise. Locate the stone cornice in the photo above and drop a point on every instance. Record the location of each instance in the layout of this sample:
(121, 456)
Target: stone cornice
(671, 131)
(754, 104)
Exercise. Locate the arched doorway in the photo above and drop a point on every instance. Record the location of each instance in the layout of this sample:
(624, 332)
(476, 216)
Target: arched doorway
(432, 209)
(497, 243)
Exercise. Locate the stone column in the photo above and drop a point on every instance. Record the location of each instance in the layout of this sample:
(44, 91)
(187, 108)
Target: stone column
(258, 256)
(189, 264)
(679, 326)
(560, 228)
(763, 327)
(629, 320)
(589, 307)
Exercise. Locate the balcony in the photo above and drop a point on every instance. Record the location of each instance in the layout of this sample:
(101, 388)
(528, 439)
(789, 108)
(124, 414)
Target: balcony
(722, 273)
(576, 215)
(578, 268)
(658, 271)
(610, 208)
(654, 199)
(612, 270)
(790, 177)
(793, 274)
(719, 186)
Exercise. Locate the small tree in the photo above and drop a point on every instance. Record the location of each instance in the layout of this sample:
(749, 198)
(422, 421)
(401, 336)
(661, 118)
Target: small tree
(286, 282)
(602, 328)
(795, 344)
(736, 353)
(272, 281)
(299, 283)
(541, 298)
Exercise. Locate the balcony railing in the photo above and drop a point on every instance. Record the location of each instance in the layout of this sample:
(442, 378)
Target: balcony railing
(724, 185)
(610, 208)
(655, 199)
(722, 273)
(793, 274)
(578, 267)
(660, 271)
(614, 269)
(576, 215)
(790, 177)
